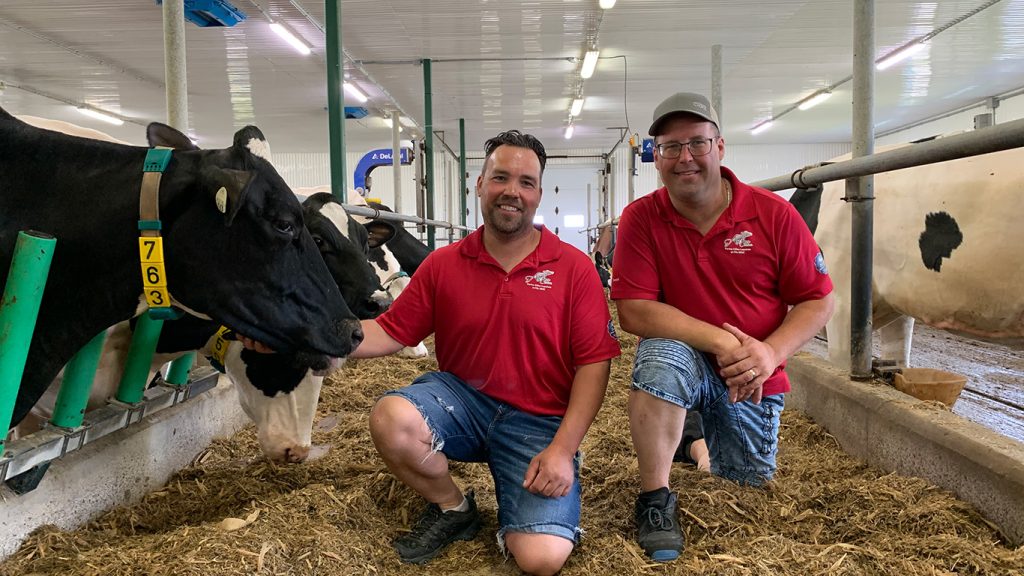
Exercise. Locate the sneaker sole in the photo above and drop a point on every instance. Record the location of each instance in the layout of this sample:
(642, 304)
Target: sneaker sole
(664, 555)
(467, 533)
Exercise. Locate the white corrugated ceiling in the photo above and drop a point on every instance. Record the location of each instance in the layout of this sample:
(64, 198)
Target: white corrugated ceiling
(503, 64)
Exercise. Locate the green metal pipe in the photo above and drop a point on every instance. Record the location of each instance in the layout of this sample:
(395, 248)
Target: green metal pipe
(428, 146)
(74, 389)
(335, 100)
(179, 370)
(19, 309)
(140, 358)
(463, 192)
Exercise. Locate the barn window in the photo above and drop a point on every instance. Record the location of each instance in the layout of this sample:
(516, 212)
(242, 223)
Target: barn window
(573, 221)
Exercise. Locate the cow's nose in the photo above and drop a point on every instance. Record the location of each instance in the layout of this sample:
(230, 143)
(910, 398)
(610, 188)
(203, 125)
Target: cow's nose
(353, 330)
(296, 454)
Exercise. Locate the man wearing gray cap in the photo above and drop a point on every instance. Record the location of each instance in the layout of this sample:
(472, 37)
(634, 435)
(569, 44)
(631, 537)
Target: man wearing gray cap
(722, 281)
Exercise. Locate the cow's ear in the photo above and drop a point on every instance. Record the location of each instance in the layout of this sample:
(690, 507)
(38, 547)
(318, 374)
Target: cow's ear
(380, 232)
(158, 134)
(228, 188)
(252, 139)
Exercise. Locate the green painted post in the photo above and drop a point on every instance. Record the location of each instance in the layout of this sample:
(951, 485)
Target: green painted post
(463, 192)
(179, 370)
(428, 146)
(335, 101)
(140, 358)
(74, 389)
(19, 309)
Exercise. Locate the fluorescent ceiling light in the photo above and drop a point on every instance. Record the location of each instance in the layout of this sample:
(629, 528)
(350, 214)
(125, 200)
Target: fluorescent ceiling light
(589, 63)
(577, 107)
(387, 122)
(355, 93)
(814, 100)
(898, 56)
(568, 131)
(761, 127)
(290, 38)
(100, 116)
(606, 4)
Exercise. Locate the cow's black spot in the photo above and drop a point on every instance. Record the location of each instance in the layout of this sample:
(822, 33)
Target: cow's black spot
(273, 373)
(807, 202)
(940, 237)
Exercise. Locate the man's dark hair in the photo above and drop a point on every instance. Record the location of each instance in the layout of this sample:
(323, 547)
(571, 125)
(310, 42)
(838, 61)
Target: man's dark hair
(520, 140)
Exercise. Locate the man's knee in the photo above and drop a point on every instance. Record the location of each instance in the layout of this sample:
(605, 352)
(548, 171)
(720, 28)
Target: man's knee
(539, 554)
(396, 424)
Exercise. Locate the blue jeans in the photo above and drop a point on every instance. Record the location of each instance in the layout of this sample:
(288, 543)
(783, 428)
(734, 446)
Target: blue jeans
(742, 438)
(469, 426)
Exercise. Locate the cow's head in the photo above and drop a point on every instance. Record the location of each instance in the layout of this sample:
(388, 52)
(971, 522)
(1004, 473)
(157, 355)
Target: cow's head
(344, 245)
(603, 269)
(237, 231)
(279, 392)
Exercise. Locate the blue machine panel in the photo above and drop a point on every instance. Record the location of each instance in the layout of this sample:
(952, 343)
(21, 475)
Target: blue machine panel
(647, 150)
(205, 13)
(374, 158)
(355, 112)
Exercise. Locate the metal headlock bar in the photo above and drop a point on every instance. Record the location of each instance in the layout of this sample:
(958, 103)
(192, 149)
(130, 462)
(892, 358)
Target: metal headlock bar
(981, 141)
(386, 215)
(53, 442)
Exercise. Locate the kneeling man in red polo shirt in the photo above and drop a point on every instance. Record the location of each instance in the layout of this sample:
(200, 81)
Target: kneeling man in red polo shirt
(723, 282)
(524, 342)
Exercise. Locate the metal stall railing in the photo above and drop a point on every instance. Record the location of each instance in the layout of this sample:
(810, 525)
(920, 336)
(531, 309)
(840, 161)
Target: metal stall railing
(981, 141)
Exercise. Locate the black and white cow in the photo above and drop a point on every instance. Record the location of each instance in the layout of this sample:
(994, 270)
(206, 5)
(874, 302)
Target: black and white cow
(396, 259)
(382, 235)
(277, 391)
(947, 252)
(408, 251)
(251, 266)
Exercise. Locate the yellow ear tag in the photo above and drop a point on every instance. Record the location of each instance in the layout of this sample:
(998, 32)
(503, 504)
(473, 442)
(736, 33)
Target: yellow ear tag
(222, 200)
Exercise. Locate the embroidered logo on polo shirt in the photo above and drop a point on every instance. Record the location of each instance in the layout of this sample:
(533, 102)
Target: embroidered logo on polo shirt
(739, 243)
(819, 263)
(540, 280)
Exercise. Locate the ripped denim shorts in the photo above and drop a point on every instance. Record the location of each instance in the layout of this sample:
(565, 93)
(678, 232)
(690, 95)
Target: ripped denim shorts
(469, 426)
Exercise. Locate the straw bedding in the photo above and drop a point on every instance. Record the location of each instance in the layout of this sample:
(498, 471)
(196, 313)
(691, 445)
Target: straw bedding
(232, 512)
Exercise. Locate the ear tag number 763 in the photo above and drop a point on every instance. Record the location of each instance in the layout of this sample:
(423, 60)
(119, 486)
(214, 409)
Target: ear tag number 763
(154, 277)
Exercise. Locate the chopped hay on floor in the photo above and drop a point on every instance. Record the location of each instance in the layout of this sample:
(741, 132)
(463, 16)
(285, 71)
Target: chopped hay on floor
(825, 513)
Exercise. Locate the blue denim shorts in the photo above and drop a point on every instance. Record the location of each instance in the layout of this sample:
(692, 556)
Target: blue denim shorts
(742, 438)
(469, 426)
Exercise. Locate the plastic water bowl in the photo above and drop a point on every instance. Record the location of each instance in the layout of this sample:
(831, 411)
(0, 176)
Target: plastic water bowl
(930, 384)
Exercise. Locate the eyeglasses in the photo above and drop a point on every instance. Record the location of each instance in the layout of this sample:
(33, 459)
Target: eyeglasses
(698, 147)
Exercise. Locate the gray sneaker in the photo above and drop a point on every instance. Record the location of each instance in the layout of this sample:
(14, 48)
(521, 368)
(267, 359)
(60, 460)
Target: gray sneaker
(657, 530)
(435, 530)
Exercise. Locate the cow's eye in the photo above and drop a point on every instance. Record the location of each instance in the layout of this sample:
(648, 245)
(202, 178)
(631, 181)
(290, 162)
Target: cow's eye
(319, 241)
(284, 226)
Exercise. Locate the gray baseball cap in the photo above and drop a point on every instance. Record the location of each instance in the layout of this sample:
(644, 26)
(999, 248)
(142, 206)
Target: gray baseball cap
(682, 103)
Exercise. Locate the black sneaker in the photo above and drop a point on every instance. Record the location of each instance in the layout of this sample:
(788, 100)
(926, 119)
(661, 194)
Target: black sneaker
(657, 530)
(435, 530)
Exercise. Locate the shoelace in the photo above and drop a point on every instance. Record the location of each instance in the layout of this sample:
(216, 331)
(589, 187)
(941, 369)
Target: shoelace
(658, 519)
(427, 526)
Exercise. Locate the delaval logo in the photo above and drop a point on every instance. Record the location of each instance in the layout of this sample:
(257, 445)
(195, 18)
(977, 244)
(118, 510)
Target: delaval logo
(739, 243)
(386, 155)
(540, 280)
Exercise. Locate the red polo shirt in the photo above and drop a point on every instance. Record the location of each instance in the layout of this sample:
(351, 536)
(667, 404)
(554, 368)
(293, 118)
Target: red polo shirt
(517, 337)
(758, 259)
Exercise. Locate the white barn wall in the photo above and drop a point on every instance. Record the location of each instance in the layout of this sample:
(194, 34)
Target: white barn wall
(751, 162)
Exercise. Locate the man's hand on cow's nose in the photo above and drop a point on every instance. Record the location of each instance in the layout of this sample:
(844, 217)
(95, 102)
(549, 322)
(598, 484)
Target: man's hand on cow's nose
(254, 345)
